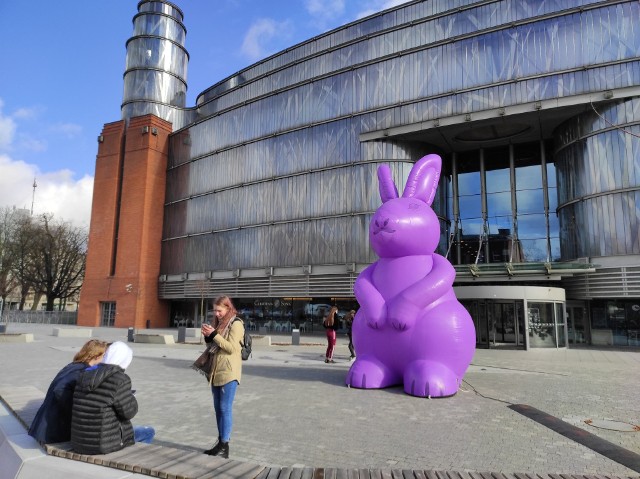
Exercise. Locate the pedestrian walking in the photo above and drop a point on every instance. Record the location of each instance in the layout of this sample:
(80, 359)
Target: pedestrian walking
(348, 320)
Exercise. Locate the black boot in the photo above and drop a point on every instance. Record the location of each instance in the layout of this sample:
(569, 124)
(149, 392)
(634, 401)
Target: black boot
(224, 450)
(220, 449)
(215, 449)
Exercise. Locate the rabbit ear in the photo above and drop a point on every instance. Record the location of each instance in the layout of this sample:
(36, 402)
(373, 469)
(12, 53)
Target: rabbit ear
(387, 187)
(423, 179)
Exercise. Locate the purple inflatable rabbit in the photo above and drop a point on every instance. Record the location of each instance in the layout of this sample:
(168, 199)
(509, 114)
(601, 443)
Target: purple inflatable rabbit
(410, 328)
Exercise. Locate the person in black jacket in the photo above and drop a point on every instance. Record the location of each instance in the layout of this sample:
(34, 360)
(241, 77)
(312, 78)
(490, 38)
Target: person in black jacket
(52, 422)
(104, 404)
(348, 319)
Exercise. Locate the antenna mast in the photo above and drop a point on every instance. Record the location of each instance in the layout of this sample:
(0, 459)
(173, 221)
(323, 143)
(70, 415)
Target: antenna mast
(33, 198)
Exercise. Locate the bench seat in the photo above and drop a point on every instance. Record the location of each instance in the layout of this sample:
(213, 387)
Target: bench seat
(172, 463)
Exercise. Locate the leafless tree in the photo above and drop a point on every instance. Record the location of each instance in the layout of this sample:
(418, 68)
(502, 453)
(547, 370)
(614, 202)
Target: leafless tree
(57, 263)
(8, 282)
(22, 252)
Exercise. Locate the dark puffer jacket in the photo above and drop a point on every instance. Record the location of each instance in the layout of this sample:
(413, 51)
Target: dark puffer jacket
(103, 406)
(53, 420)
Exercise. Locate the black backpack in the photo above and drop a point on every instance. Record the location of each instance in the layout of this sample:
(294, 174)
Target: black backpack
(245, 345)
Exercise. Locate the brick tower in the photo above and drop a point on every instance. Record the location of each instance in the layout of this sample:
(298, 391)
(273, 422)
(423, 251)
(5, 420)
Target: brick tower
(123, 259)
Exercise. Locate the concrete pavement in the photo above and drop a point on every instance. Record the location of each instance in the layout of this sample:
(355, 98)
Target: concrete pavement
(292, 409)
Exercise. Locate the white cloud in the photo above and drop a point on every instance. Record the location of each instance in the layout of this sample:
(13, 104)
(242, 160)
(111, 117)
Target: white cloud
(258, 39)
(26, 113)
(7, 129)
(323, 9)
(379, 5)
(32, 144)
(56, 192)
(70, 130)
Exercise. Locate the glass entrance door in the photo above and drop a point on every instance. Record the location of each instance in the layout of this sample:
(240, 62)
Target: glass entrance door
(577, 324)
(478, 311)
(506, 324)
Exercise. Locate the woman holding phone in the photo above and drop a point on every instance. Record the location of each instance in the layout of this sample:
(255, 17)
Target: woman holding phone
(224, 337)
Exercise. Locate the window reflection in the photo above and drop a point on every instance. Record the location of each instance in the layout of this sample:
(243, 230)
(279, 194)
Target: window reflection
(500, 241)
(542, 327)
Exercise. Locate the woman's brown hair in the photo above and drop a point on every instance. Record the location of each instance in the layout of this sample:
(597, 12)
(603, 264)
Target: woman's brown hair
(226, 302)
(91, 350)
(331, 316)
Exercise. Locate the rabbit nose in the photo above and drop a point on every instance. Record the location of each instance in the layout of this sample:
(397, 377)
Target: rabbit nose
(382, 225)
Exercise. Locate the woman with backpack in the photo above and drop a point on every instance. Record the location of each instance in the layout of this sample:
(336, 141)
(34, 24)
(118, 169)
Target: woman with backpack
(224, 338)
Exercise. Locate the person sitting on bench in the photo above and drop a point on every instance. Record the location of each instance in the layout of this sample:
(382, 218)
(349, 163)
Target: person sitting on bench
(52, 422)
(104, 404)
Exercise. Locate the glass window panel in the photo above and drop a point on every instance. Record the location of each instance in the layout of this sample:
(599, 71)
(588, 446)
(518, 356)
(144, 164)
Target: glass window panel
(532, 226)
(498, 180)
(530, 201)
(499, 204)
(528, 177)
(555, 249)
(500, 225)
(469, 193)
(471, 226)
(470, 206)
(541, 325)
(533, 250)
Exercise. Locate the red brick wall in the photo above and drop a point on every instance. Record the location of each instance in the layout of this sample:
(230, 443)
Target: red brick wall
(138, 161)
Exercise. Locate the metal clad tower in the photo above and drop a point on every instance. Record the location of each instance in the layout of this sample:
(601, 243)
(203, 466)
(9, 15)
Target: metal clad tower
(155, 79)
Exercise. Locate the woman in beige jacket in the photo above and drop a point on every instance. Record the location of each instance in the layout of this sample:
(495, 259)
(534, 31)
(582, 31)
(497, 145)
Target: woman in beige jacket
(226, 334)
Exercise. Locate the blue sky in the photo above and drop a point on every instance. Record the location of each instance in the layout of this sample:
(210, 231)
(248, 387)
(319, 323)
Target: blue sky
(61, 78)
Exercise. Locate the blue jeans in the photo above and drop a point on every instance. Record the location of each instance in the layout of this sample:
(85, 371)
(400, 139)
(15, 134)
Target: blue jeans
(143, 434)
(223, 405)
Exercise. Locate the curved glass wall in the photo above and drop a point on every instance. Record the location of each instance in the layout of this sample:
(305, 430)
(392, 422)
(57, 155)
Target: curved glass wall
(156, 64)
(487, 69)
(277, 156)
(598, 165)
(405, 27)
(283, 208)
(459, 51)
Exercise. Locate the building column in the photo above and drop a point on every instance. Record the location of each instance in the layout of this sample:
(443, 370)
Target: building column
(123, 258)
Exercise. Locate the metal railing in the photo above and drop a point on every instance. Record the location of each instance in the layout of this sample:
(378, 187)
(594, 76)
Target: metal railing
(40, 317)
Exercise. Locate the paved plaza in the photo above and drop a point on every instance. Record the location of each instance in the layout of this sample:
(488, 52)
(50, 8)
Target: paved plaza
(292, 409)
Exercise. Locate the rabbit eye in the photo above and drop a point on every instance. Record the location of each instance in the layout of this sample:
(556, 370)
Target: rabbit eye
(414, 206)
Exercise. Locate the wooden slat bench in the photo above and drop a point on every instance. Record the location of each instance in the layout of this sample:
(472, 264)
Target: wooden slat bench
(171, 463)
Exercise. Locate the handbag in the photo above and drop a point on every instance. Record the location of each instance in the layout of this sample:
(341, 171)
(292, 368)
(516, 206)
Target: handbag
(204, 363)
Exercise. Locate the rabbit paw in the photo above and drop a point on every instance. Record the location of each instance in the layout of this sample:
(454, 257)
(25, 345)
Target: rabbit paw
(376, 323)
(430, 379)
(368, 373)
(403, 315)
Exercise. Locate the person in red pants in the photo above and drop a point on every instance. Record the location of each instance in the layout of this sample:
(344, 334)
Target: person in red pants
(331, 324)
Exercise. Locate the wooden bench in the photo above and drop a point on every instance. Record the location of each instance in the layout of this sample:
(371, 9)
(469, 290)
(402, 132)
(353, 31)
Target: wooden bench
(171, 463)
(149, 459)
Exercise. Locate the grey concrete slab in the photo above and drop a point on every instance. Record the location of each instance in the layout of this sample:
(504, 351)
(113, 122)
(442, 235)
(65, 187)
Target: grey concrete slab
(50, 467)
(292, 409)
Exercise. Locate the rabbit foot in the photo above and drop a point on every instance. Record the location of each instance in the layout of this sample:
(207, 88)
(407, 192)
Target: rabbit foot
(430, 379)
(370, 374)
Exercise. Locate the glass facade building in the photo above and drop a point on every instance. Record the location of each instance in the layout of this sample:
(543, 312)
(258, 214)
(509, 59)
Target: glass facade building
(534, 106)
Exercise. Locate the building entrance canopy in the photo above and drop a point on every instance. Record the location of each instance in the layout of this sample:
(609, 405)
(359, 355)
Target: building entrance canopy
(529, 271)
